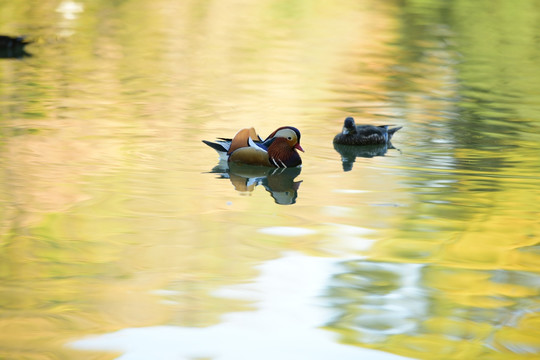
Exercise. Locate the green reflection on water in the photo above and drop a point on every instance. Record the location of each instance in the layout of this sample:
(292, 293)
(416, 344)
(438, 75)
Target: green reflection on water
(107, 201)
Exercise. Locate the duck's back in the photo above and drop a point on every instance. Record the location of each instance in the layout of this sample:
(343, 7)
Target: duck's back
(373, 133)
(364, 135)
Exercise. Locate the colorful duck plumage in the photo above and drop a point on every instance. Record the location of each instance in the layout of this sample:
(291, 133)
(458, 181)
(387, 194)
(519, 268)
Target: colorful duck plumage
(353, 134)
(246, 147)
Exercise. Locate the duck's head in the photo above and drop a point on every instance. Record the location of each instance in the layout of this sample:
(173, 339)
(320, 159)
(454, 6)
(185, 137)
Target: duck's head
(289, 133)
(349, 127)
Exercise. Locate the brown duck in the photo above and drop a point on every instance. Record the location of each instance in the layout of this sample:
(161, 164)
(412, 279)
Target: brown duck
(353, 134)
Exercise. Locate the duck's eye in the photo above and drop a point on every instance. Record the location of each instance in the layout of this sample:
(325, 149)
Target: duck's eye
(289, 138)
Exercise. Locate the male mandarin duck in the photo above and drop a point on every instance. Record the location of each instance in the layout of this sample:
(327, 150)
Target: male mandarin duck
(278, 150)
(353, 134)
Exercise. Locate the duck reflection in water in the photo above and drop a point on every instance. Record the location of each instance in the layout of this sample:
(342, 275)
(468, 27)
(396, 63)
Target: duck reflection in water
(349, 153)
(279, 182)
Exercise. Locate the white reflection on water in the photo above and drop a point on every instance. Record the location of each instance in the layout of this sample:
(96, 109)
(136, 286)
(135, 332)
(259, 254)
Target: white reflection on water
(284, 326)
(286, 231)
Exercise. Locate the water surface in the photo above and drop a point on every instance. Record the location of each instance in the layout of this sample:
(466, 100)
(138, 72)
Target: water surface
(117, 225)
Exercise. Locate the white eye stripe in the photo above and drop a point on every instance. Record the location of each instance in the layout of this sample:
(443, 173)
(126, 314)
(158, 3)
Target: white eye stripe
(286, 133)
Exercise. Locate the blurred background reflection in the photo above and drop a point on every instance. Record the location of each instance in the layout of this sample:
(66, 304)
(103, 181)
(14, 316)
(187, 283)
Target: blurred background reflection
(114, 220)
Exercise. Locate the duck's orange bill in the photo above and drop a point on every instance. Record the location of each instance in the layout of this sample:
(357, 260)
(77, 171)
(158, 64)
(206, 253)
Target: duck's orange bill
(299, 147)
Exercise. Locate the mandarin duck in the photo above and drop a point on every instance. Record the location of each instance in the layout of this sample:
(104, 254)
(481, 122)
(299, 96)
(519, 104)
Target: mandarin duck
(246, 147)
(353, 134)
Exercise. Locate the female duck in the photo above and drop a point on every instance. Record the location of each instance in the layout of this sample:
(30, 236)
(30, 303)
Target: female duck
(278, 150)
(353, 134)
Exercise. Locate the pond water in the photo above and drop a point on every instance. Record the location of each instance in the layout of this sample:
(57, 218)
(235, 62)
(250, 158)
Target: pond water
(121, 238)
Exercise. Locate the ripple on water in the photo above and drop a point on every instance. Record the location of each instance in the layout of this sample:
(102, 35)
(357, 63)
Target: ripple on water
(286, 231)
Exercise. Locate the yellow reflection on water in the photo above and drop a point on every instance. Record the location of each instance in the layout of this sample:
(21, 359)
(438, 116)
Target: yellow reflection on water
(112, 219)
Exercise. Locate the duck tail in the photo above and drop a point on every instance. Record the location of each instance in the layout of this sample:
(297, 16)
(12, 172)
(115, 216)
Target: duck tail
(216, 146)
(392, 131)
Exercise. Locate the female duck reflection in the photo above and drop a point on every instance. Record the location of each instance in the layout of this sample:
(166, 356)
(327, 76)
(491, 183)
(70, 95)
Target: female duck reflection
(349, 153)
(276, 159)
